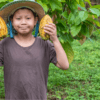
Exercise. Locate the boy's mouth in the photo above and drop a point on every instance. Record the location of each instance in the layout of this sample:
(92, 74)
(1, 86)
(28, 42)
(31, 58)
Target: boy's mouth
(23, 28)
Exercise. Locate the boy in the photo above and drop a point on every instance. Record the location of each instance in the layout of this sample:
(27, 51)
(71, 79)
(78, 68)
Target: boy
(26, 58)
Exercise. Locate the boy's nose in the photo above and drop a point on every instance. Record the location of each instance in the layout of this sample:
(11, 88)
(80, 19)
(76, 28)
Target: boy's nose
(23, 21)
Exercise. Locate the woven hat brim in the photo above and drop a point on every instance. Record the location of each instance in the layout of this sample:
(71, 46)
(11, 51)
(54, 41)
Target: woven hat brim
(8, 8)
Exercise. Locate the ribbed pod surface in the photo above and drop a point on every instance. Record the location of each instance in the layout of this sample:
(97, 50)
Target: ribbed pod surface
(45, 20)
(3, 28)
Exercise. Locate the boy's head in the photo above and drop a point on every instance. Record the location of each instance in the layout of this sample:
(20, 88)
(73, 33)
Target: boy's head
(24, 20)
(9, 9)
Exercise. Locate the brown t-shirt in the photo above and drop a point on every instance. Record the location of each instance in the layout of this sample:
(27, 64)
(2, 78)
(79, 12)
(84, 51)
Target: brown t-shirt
(26, 68)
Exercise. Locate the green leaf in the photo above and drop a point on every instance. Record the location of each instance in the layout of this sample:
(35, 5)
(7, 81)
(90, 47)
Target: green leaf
(55, 5)
(3, 0)
(64, 14)
(69, 37)
(85, 30)
(82, 8)
(71, 18)
(73, 5)
(83, 15)
(10, 0)
(69, 51)
(94, 21)
(60, 27)
(44, 1)
(96, 6)
(95, 11)
(61, 1)
(43, 5)
(82, 4)
(78, 1)
(77, 20)
(3, 3)
(75, 30)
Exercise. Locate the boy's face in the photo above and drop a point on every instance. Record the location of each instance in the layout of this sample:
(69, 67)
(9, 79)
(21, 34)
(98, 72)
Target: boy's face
(23, 21)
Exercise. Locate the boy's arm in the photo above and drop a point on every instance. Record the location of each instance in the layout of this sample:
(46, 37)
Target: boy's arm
(62, 61)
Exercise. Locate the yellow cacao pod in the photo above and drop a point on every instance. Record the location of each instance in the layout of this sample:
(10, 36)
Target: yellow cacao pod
(45, 20)
(3, 28)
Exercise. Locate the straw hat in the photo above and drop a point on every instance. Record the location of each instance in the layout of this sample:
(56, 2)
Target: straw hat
(11, 7)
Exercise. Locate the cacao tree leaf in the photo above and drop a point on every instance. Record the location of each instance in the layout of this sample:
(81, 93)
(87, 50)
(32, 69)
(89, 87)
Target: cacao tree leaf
(75, 30)
(95, 11)
(3, 3)
(90, 27)
(61, 1)
(83, 15)
(63, 36)
(73, 5)
(82, 4)
(69, 51)
(6, 1)
(78, 1)
(43, 5)
(71, 17)
(3, 0)
(84, 29)
(77, 20)
(69, 38)
(96, 6)
(82, 8)
(94, 21)
(64, 14)
(55, 5)
(60, 27)
(62, 22)
(61, 40)
(10, 0)
(44, 1)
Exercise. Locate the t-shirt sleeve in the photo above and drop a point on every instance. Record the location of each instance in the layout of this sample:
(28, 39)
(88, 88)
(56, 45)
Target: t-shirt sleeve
(1, 54)
(52, 53)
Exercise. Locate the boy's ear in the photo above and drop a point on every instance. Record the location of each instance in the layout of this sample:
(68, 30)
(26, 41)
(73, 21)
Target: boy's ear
(36, 19)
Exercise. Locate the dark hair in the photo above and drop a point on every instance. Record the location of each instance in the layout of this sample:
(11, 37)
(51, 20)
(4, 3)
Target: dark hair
(35, 15)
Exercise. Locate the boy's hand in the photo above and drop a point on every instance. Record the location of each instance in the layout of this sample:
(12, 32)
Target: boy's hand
(51, 30)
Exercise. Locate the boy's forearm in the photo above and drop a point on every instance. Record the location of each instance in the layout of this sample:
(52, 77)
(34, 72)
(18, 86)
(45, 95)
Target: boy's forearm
(61, 55)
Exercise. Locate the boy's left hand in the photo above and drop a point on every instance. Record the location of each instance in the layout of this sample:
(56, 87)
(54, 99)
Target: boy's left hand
(51, 30)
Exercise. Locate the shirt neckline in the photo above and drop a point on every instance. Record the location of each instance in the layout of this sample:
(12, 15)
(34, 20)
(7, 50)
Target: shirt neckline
(27, 46)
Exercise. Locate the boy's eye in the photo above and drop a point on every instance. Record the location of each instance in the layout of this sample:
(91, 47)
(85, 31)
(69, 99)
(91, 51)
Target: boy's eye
(28, 18)
(18, 18)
